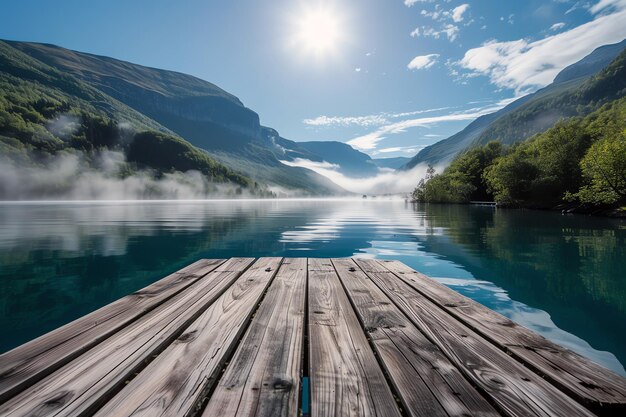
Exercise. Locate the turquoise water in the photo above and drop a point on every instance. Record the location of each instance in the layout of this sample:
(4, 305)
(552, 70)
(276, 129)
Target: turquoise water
(562, 276)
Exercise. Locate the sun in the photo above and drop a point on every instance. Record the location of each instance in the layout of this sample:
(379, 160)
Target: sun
(318, 30)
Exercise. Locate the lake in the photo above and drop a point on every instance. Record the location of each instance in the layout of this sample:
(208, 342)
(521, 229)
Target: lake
(562, 276)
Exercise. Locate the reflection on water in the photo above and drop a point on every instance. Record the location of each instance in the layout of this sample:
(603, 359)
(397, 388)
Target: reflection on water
(562, 276)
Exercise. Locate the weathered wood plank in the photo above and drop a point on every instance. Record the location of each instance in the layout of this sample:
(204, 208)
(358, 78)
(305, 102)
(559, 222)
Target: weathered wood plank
(514, 389)
(588, 382)
(32, 361)
(428, 384)
(346, 379)
(263, 378)
(177, 380)
(85, 383)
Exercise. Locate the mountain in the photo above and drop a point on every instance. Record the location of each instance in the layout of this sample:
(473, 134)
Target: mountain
(196, 110)
(54, 128)
(391, 163)
(575, 91)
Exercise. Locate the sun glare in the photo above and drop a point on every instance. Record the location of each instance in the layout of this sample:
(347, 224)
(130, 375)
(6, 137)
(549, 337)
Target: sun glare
(318, 31)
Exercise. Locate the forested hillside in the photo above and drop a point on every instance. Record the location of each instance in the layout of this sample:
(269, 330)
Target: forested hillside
(576, 91)
(580, 160)
(538, 115)
(47, 116)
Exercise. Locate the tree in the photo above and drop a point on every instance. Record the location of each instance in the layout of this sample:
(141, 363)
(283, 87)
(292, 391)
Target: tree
(510, 178)
(604, 167)
(419, 191)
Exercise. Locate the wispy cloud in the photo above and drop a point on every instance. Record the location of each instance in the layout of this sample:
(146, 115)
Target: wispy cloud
(405, 149)
(557, 26)
(423, 61)
(608, 5)
(364, 121)
(524, 65)
(448, 20)
(370, 140)
(449, 30)
(457, 12)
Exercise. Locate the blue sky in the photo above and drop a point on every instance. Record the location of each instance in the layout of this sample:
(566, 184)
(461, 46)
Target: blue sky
(393, 77)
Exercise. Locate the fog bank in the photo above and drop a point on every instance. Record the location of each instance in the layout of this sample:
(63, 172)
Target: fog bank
(102, 176)
(388, 181)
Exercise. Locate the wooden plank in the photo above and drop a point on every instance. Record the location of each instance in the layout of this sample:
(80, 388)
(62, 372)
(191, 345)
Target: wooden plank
(26, 364)
(346, 379)
(83, 384)
(513, 388)
(175, 383)
(428, 384)
(263, 378)
(584, 380)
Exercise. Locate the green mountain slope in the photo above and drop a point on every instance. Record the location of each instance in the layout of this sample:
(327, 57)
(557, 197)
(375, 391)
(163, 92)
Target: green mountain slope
(198, 111)
(580, 161)
(46, 114)
(540, 114)
(535, 112)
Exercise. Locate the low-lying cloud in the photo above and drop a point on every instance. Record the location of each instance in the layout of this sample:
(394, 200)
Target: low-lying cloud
(386, 182)
(76, 176)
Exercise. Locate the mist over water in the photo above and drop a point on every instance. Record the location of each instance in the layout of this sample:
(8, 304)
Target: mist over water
(387, 181)
(103, 176)
(561, 276)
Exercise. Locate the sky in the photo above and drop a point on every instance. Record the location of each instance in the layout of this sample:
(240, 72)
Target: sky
(387, 76)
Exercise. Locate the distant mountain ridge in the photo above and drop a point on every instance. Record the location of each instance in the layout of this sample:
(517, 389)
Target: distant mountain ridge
(391, 163)
(198, 111)
(530, 114)
(352, 163)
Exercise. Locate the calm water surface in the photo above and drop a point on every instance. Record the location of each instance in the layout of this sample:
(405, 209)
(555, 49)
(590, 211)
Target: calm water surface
(562, 276)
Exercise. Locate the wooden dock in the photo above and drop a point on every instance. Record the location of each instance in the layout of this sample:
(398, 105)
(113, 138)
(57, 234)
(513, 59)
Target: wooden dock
(287, 337)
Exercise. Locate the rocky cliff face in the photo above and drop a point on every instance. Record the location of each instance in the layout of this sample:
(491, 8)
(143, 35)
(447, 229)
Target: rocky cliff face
(162, 108)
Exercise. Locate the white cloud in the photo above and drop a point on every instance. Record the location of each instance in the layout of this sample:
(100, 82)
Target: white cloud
(386, 182)
(357, 69)
(557, 26)
(423, 61)
(364, 121)
(457, 12)
(370, 140)
(449, 30)
(404, 149)
(525, 65)
(578, 5)
(312, 165)
(604, 5)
